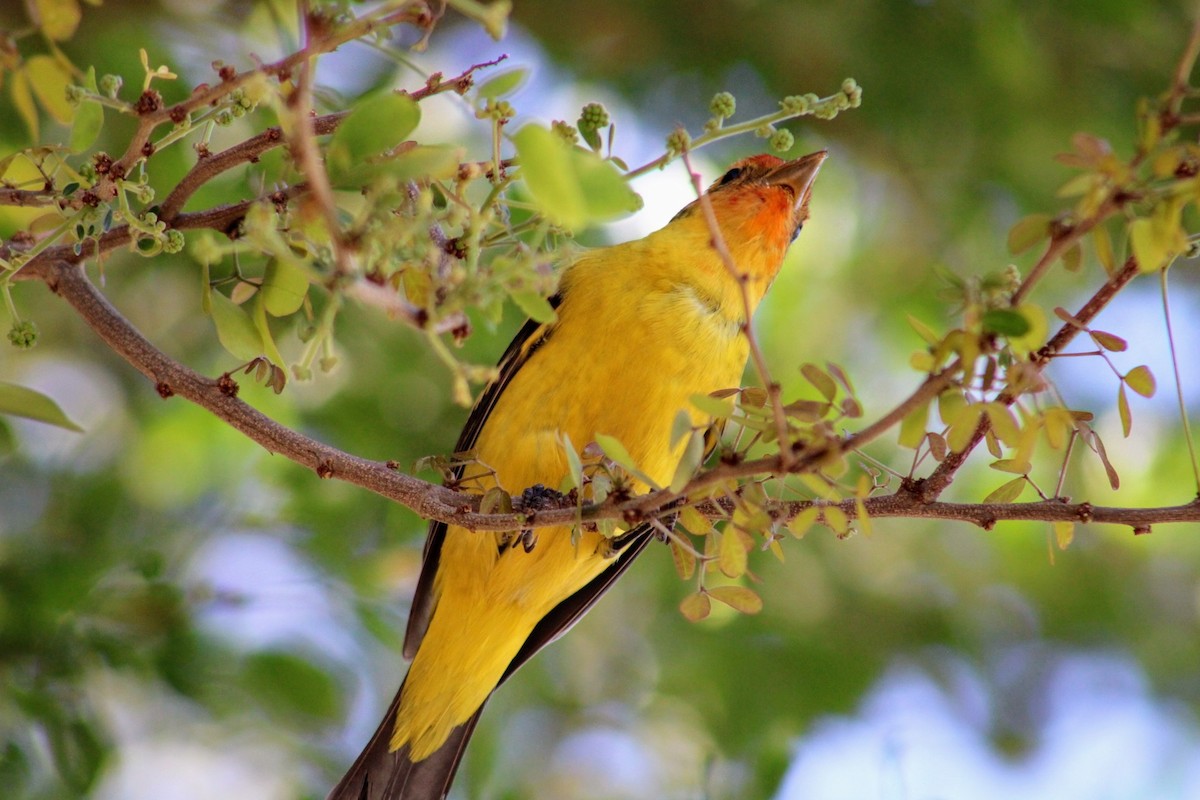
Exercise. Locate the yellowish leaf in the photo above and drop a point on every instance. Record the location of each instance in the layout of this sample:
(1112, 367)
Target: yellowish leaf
(800, 523)
(23, 100)
(1013, 465)
(962, 428)
(739, 598)
(1064, 533)
(695, 607)
(732, 554)
(1059, 423)
(1102, 241)
(1123, 410)
(1109, 341)
(864, 519)
(1028, 232)
(58, 19)
(836, 519)
(685, 561)
(1072, 258)
(695, 522)
(1035, 337)
(1003, 423)
(912, 428)
(1141, 380)
(49, 80)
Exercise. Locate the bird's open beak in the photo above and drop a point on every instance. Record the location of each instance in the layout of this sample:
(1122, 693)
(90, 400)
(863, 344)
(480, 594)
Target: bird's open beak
(798, 175)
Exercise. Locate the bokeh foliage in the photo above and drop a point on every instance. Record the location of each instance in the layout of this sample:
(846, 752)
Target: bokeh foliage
(102, 576)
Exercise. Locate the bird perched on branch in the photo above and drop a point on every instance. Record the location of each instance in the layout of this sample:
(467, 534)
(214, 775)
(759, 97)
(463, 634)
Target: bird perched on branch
(641, 328)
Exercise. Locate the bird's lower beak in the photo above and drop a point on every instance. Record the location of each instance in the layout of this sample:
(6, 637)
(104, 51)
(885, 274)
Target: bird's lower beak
(799, 175)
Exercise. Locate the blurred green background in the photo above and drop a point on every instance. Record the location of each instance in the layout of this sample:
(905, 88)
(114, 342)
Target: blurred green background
(183, 615)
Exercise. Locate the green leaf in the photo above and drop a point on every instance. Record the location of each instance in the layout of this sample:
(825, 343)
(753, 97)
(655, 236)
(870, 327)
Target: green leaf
(89, 120)
(259, 317)
(716, 407)
(376, 123)
(1028, 232)
(1141, 380)
(912, 429)
(1005, 322)
(574, 465)
(739, 598)
(616, 451)
(693, 455)
(283, 288)
(503, 84)
(1007, 492)
(572, 187)
(235, 329)
(423, 161)
(536, 307)
(924, 331)
(820, 379)
(21, 401)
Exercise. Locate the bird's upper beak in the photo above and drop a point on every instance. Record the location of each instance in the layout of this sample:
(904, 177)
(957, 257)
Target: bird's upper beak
(798, 175)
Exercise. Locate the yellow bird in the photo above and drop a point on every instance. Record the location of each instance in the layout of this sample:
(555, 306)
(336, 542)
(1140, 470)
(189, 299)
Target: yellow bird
(641, 327)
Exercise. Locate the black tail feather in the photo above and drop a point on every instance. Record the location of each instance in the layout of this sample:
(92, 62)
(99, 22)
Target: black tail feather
(380, 774)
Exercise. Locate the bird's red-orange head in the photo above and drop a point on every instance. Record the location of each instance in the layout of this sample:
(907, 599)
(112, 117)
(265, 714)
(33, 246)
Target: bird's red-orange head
(760, 204)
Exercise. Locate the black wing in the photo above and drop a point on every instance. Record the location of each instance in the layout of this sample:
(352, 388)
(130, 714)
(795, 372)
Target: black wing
(527, 341)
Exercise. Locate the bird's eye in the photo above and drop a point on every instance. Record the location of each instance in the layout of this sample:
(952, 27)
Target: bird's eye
(732, 175)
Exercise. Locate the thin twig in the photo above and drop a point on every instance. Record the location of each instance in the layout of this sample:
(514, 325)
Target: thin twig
(756, 354)
(1183, 415)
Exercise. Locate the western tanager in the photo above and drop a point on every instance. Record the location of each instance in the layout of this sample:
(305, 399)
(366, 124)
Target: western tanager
(641, 328)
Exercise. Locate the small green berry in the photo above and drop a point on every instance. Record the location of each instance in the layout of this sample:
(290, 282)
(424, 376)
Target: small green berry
(564, 131)
(110, 84)
(74, 94)
(795, 104)
(678, 141)
(825, 110)
(782, 140)
(1012, 277)
(23, 335)
(174, 242)
(594, 117)
(765, 131)
(722, 105)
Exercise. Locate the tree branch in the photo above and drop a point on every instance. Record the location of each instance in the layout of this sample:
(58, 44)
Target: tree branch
(930, 487)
